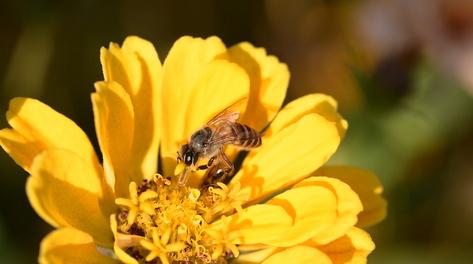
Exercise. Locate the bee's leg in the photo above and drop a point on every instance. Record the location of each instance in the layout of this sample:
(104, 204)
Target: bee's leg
(228, 164)
(211, 160)
(216, 174)
(178, 160)
(219, 175)
(223, 169)
(206, 166)
(203, 167)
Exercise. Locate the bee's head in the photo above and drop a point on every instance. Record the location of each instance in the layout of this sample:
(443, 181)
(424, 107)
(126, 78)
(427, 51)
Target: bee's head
(189, 155)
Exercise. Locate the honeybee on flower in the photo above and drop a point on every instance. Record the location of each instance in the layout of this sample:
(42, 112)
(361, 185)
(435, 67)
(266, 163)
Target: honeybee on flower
(281, 201)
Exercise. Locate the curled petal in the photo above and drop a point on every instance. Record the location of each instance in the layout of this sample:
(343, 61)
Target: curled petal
(367, 186)
(348, 207)
(353, 248)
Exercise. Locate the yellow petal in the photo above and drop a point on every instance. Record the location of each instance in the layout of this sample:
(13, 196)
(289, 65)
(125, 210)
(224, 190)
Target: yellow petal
(255, 257)
(113, 115)
(18, 147)
(38, 127)
(136, 67)
(368, 188)
(66, 188)
(253, 225)
(287, 156)
(221, 84)
(348, 207)
(196, 86)
(298, 255)
(269, 79)
(321, 104)
(70, 246)
(313, 210)
(353, 248)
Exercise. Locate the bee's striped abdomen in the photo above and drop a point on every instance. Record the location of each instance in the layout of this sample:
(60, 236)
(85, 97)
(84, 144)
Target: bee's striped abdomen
(245, 136)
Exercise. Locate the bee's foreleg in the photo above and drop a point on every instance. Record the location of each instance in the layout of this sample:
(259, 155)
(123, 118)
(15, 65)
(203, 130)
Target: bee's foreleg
(178, 159)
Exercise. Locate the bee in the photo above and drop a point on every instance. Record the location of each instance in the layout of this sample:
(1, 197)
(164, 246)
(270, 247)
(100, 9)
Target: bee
(209, 142)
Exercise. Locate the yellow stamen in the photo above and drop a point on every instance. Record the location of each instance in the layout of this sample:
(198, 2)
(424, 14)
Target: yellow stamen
(171, 219)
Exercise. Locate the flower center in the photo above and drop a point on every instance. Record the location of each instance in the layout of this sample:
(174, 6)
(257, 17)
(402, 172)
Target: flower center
(168, 222)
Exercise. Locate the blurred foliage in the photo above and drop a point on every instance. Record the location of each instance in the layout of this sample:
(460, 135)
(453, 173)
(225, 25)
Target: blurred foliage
(410, 113)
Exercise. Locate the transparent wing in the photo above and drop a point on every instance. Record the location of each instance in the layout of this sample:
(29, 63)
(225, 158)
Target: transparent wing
(224, 135)
(229, 114)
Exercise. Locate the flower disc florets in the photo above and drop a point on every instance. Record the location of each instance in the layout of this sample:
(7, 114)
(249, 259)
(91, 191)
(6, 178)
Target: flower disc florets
(168, 221)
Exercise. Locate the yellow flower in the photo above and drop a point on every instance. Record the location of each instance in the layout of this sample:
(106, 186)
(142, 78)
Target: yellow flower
(282, 205)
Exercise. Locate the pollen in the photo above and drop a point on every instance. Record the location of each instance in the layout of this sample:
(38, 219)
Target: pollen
(170, 222)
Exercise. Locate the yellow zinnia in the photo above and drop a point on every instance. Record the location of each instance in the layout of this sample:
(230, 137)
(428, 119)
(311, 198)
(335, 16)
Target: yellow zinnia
(281, 206)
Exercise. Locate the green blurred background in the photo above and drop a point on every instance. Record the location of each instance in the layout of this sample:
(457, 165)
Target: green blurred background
(402, 72)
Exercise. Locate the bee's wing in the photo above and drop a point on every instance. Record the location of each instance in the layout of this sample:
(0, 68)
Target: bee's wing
(228, 115)
(223, 135)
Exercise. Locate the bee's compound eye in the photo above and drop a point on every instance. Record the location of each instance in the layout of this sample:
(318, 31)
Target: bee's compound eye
(188, 158)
